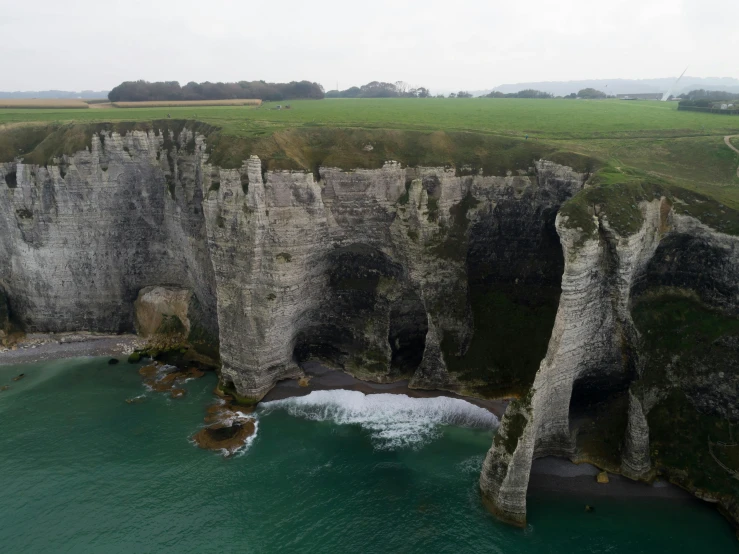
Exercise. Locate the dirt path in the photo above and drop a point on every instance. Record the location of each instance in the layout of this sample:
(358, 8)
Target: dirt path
(727, 140)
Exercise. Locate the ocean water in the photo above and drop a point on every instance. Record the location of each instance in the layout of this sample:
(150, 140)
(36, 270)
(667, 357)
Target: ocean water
(83, 471)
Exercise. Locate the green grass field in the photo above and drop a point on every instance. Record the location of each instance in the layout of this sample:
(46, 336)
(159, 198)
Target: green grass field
(542, 119)
(627, 141)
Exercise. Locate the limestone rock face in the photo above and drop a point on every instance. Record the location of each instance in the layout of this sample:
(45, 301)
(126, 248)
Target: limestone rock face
(162, 310)
(366, 269)
(81, 238)
(592, 330)
(369, 270)
(4, 314)
(636, 461)
(596, 354)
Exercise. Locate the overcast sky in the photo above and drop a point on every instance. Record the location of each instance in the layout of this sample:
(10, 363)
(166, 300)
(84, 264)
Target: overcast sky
(462, 44)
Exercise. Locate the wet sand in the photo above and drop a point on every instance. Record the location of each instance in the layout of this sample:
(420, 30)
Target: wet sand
(37, 347)
(324, 378)
(558, 475)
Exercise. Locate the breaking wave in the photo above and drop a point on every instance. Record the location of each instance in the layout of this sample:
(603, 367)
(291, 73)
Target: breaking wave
(393, 420)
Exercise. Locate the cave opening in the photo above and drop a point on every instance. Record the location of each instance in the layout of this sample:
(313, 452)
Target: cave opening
(371, 322)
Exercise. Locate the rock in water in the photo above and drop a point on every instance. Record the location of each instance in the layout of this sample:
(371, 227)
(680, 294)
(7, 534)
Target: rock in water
(221, 436)
(113, 361)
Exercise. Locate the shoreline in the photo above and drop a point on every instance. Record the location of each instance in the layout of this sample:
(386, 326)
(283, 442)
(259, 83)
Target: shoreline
(325, 378)
(39, 347)
(564, 477)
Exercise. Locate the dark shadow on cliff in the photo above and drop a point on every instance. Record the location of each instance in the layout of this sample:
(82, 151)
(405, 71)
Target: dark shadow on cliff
(371, 324)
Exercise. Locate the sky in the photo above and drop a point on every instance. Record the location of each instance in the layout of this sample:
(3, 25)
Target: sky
(442, 45)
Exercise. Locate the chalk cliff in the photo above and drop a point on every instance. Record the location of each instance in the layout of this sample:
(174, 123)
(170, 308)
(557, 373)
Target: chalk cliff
(444, 276)
(671, 275)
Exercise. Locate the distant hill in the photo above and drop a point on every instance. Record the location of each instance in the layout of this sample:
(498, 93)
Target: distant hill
(55, 94)
(624, 86)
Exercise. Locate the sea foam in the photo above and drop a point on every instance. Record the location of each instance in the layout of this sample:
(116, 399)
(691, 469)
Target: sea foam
(393, 420)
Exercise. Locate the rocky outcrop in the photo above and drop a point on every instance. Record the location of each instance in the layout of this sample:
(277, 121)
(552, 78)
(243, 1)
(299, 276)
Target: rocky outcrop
(162, 311)
(636, 462)
(596, 354)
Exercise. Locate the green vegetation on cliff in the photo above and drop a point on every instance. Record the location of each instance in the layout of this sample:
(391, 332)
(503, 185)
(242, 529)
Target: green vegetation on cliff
(512, 325)
(687, 345)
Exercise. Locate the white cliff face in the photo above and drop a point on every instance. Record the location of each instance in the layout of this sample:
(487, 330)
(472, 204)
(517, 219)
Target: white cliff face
(591, 332)
(594, 345)
(348, 263)
(366, 269)
(79, 239)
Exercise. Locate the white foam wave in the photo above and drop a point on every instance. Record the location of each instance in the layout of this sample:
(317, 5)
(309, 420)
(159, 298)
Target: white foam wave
(394, 420)
(240, 451)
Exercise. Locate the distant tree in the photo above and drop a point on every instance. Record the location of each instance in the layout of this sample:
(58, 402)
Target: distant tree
(440, 96)
(531, 93)
(452, 95)
(464, 94)
(712, 95)
(402, 88)
(379, 89)
(528, 93)
(572, 95)
(591, 94)
(136, 91)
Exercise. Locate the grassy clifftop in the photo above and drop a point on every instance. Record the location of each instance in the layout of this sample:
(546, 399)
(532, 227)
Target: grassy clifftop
(636, 150)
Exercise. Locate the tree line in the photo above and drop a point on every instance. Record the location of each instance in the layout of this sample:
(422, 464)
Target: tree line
(706, 98)
(144, 91)
(379, 89)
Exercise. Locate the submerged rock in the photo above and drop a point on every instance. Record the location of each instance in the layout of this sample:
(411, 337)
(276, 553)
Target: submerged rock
(162, 378)
(19, 377)
(136, 399)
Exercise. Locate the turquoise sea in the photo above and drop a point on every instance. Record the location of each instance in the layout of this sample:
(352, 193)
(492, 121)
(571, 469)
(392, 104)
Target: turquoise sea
(82, 471)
